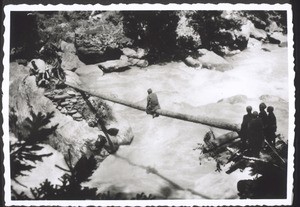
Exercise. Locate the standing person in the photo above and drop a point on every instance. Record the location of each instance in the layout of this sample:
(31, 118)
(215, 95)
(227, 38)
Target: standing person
(271, 126)
(256, 136)
(244, 127)
(264, 117)
(152, 103)
(262, 113)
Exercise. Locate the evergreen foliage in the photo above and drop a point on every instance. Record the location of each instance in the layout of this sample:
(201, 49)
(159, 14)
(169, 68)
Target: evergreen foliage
(30, 135)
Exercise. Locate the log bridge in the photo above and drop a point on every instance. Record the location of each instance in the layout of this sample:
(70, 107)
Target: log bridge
(217, 123)
(212, 122)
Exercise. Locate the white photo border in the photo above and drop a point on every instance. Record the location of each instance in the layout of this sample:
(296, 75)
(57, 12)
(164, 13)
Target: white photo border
(143, 7)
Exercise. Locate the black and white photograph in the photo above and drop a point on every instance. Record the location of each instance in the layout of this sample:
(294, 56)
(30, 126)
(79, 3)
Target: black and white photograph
(148, 105)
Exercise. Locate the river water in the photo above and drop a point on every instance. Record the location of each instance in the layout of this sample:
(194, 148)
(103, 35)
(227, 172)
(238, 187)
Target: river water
(161, 160)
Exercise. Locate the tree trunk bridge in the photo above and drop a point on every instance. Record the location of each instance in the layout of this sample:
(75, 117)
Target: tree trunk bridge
(217, 123)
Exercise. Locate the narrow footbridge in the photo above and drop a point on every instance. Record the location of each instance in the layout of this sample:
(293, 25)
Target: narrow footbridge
(218, 123)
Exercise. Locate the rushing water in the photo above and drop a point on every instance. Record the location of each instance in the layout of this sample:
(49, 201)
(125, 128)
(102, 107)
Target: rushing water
(165, 144)
(161, 160)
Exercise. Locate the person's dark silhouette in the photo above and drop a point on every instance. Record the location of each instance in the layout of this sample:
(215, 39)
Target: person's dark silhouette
(256, 136)
(271, 126)
(263, 115)
(244, 127)
(152, 104)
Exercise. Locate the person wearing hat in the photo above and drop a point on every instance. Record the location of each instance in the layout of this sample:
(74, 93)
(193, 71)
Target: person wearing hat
(271, 126)
(152, 103)
(244, 126)
(256, 136)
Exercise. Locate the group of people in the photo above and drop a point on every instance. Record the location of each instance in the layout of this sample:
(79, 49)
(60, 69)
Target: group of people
(47, 67)
(257, 128)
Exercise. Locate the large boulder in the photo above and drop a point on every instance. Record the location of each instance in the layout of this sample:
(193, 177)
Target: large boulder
(192, 62)
(72, 78)
(70, 61)
(67, 47)
(277, 38)
(89, 70)
(211, 60)
(25, 96)
(102, 39)
(142, 63)
(250, 29)
(124, 135)
(139, 53)
(114, 65)
(273, 27)
(91, 54)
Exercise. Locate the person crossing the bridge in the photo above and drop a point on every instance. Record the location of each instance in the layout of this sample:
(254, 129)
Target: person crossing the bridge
(152, 103)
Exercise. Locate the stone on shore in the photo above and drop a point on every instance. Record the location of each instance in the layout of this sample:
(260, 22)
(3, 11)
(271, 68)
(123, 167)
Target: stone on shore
(72, 78)
(89, 70)
(277, 38)
(70, 61)
(211, 60)
(67, 47)
(139, 53)
(114, 65)
(192, 62)
(125, 134)
(142, 63)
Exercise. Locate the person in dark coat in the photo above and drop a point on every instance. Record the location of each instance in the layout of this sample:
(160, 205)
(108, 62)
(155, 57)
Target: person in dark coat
(271, 126)
(262, 113)
(256, 136)
(244, 127)
(152, 103)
